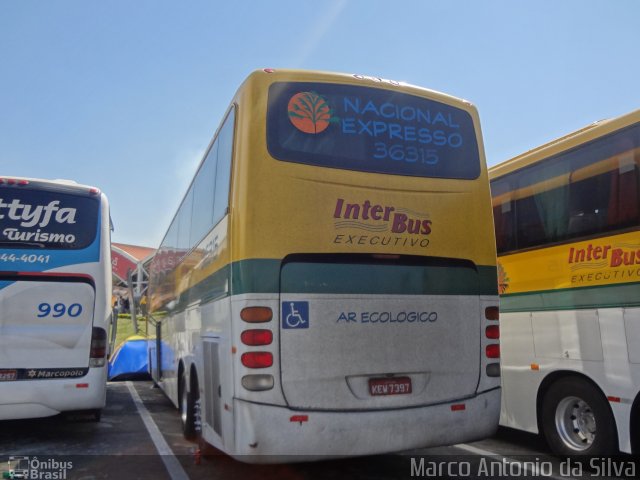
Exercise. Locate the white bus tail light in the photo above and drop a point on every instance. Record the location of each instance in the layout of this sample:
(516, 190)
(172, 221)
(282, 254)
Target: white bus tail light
(256, 314)
(256, 337)
(258, 382)
(257, 359)
(98, 352)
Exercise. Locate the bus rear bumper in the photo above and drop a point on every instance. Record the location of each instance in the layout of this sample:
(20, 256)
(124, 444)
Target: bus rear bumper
(271, 434)
(45, 398)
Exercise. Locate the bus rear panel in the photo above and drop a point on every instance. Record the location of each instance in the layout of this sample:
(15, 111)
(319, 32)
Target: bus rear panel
(353, 273)
(54, 298)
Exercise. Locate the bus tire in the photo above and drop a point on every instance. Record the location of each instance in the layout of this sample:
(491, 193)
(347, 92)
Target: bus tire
(187, 410)
(577, 419)
(96, 415)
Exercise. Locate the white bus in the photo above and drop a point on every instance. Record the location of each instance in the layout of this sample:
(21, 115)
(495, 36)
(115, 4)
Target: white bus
(567, 219)
(55, 295)
(316, 292)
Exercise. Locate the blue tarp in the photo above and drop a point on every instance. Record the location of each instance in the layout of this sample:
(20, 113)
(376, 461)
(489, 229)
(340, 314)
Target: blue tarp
(130, 360)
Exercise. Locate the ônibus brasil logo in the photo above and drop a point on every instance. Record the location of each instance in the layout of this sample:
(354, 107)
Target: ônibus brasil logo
(309, 112)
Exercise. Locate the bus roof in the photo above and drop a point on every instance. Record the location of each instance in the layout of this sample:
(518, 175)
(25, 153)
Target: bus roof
(563, 143)
(65, 185)
(338, 77)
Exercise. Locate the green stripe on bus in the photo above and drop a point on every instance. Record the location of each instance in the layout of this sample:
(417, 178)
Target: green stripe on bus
(604, 296)
(263, 276)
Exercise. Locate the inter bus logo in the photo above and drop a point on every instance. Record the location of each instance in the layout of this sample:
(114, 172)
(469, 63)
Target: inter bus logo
(354, 215)
(604, 255)
(309, 112)
(382, 225)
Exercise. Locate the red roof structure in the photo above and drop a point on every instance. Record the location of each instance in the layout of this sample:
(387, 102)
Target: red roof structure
(126, 257)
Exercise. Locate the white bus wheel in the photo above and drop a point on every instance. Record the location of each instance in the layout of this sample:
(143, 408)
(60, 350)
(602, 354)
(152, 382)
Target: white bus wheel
(577, 420)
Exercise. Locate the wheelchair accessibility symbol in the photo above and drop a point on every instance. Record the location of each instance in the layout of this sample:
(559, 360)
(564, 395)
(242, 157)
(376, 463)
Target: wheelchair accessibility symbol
(295, 314)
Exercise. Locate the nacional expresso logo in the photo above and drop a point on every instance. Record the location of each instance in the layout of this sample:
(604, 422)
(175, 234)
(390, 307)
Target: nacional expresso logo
(310, 112)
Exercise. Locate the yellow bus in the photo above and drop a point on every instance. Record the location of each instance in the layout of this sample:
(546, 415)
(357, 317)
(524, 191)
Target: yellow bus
(317, 292)
(567, 231)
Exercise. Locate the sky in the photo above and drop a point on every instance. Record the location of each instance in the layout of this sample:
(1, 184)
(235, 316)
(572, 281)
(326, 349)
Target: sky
(125, 95)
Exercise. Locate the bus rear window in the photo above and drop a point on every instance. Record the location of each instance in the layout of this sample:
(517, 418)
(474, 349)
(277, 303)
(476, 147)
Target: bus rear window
(47, 219)
(370, 130)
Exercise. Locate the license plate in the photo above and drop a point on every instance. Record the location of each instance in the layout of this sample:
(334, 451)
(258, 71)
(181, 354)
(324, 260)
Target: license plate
(390, 386)
(8, 375)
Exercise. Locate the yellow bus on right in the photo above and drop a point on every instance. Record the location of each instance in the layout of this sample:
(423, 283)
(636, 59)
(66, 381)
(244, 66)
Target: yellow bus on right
(567, 220)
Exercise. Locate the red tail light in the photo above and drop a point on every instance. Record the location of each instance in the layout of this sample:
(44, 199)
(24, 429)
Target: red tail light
(14, 181)
(98, 352)
(257, 359)
(492, 332)
(492, 313)
(299, 418)
(256, 337)
(493, 350)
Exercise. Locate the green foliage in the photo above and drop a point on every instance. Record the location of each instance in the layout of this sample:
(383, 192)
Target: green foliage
(125, 328)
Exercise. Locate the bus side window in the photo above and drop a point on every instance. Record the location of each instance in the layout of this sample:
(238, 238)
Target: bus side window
(623, 201)
(530, 227)
(184, 229)
(223, 171)
(503, 216)
(588, 205)
(203, 196)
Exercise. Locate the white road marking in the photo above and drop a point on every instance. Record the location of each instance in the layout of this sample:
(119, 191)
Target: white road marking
(487, 453)
(176, 472)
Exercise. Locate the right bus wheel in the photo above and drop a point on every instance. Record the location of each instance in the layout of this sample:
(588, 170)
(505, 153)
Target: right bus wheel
(577, 420)
(96, 415)
(187, 411)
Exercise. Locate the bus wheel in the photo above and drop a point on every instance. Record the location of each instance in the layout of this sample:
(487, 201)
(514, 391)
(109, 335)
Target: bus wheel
(188, 410)
(577, 420)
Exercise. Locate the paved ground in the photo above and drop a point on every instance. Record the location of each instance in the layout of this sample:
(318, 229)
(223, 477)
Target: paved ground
(139, 421)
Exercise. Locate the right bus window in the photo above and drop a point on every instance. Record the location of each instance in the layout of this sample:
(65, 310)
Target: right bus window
(586, 191)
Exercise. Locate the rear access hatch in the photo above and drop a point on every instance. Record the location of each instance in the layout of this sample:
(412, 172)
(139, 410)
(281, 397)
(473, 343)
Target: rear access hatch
(45, 327)
(380, 349)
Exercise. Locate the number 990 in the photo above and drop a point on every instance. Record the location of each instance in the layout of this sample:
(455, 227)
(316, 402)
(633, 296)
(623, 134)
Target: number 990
(59, 309)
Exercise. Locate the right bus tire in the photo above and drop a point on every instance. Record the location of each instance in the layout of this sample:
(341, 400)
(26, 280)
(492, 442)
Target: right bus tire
(577, 419)
(187, 411)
